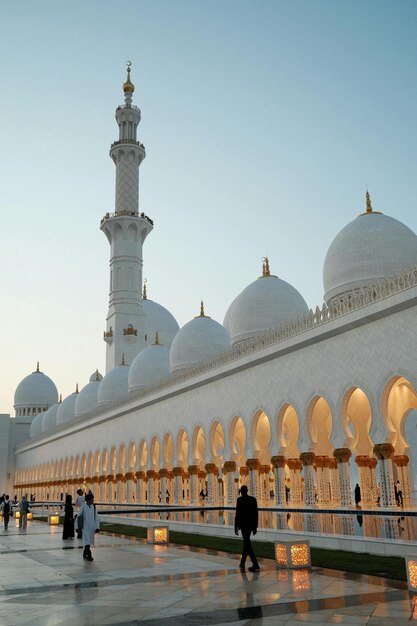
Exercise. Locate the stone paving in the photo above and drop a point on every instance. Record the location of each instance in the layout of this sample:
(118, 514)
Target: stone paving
(45, 581)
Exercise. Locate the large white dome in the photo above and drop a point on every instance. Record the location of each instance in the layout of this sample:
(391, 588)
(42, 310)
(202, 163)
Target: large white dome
(114, 386)
(200, 339)
(149, 367)
(158, 319)
(266, 304)
(36, 425)
(36, 391)
(367, 250)
(88, 397)
(49, 418)
(66, 410)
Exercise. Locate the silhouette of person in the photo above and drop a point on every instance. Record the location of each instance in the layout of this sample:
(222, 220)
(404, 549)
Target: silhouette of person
(246, 520)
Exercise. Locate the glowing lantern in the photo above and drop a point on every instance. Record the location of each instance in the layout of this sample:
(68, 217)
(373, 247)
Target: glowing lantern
(158, 535)
(292, 554)
(53, 519)
(17, 514)
(29, 515)
(411, 566)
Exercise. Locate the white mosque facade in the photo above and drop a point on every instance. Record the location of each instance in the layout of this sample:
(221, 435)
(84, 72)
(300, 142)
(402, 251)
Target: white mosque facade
(278, 397)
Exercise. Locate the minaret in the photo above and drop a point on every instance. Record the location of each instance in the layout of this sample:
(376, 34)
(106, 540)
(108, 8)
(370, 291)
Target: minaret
(126, 229)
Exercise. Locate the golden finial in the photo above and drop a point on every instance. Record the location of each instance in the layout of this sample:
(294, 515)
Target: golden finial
(128, 86)
(122, 362)
(37, 367)
(97, 375)
(60, 398)
(265, 267)
(368, 202)
(76, 388)
(156, 342)
(145, 293)
(202, 309)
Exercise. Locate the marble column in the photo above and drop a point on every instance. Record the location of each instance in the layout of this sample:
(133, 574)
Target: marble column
(95, 488)
(112, 489)
(194, 490)
(229, 469)
(140, 487)
(102, 488)
(254, 465)
(403, 472)
(178, 485)
(278, 463)
(365, 479)
(150, 475)
(323, 479)
(212, 490)
(264, 487)
(163, 474)
(372, 463)
(384, 453)
(130, 487)
(307, 459)
(244, 475)
(342, 456)
(120, 479)
(295, 466)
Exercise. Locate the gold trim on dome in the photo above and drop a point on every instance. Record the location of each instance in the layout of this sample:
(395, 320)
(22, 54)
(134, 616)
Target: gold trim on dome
(369, 209)
(202, 314)
(128, 86)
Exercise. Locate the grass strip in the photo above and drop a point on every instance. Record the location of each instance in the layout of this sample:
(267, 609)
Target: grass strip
(362, 563)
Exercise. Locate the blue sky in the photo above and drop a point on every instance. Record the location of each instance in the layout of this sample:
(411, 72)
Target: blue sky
(263, 123)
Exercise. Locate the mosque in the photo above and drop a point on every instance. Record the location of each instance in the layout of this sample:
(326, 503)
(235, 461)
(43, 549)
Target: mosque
(299, 405)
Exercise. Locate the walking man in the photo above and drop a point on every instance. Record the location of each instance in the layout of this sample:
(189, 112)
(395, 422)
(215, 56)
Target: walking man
(246, 520)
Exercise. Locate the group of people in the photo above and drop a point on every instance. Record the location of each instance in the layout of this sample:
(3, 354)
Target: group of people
(398, 493)
(86, 522)
(6, 508)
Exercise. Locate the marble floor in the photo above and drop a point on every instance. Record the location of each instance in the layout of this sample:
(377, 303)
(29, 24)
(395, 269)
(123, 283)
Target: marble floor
(45, 581)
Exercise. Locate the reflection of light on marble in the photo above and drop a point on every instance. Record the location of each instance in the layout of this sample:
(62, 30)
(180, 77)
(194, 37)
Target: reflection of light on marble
(413, 615)
(282, 575)
(301, 580)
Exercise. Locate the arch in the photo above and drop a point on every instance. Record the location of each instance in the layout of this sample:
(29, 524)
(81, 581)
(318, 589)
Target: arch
(216, 443)
(238, 440)
(154, 451)
(399, 398)
(168, 451)
(261, 437)
(288, 431)
(131, 456)
(198, 446)
(319, 423)
(182, 449)
(356, 420)
(143, 454)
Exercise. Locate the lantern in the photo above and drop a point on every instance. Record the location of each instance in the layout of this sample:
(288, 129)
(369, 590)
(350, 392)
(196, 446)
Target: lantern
(411, 566)
(29, 515)
(53, 519)
(158, 535)
(17, 514)
(292, 554)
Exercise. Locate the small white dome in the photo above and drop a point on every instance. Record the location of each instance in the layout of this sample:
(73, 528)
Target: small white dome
(266, 304)
(36, 391)
(88, 397)
(49, 419)
(66, 410)
(158, 319)
(36, 425)
(200, 339)
(114, 386)
(370, 248)
(149, 367)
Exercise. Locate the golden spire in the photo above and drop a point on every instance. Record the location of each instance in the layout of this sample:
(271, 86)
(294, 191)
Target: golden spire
(37, 367)
(265, 267)
(368, 202)
(156, 342)
(122, 362)
(202, 309)
(60, 398)
(128, 86)
(97, 375)
(76, 388)
(145, 293)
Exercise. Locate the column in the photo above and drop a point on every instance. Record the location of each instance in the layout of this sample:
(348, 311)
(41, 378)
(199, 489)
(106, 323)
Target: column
(229, 469)
(278, 463)
(403, 473)
(323, 479)
(342, 456)
(253, 465)
(194, 491)
(95, 488)
(112, 488)
(202, 475)
(373, 478)
(384, 453)
(163, 475)
(307, 459)
(244, 475)
(150, 474)
(365, 482)
(130, 487)
(102, 489)
(264, 484)
(120, 488)
(178, 490)
(212, 487)
(140, 487)
(295, 466)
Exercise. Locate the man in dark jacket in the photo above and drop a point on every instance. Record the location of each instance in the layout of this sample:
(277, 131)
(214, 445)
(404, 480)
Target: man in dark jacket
(246, 520)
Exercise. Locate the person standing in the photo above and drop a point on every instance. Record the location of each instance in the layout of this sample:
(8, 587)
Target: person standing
(23, 510)
(357, 495)
(6, 509)
(79, 501)
(68, 530)
(246, 520)
(90, 525)
(400, 500)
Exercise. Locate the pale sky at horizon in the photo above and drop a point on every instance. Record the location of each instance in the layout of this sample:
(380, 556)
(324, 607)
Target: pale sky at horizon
(264, 122)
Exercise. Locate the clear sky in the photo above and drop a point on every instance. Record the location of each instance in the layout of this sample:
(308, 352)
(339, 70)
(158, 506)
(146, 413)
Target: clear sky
(263, 121)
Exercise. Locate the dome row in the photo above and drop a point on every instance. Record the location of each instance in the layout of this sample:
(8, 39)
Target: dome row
(368, 249)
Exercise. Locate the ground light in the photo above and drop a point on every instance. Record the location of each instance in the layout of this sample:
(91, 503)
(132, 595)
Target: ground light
(292, 554)
(53, 519)
(158, 535)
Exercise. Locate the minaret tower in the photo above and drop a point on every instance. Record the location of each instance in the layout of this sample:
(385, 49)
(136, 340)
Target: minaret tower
(126, 229)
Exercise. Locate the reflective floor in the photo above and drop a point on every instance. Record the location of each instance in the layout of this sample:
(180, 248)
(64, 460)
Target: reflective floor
(45, 581)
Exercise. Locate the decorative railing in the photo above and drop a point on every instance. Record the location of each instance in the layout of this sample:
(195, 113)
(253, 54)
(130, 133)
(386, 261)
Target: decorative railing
(348, 303)
(130, 331)
(128, 213)
(131, 141)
